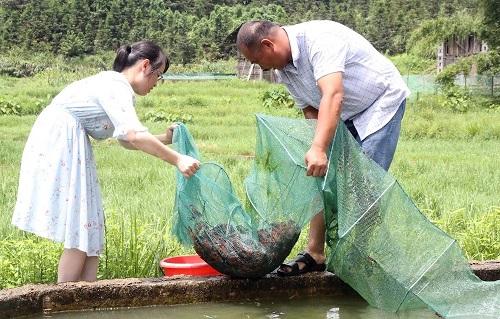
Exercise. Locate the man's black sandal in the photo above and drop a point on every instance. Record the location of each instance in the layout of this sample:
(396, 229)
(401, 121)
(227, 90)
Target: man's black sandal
(293, 268)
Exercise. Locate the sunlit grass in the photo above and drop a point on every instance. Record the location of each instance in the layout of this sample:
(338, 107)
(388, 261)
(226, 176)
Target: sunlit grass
(447, 162)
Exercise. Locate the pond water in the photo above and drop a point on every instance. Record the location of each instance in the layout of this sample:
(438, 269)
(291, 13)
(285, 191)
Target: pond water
(328, 307)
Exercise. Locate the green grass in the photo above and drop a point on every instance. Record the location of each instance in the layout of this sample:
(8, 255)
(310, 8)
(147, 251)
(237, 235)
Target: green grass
(456, 185)
(446, 161)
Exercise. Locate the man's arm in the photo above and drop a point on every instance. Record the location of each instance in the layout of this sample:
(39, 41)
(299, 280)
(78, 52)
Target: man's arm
(330, 107)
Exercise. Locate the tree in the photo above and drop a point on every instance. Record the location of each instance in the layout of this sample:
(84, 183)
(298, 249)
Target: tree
(79, 32)
(342, 12)
(62, 26)
(425, 39)
(491, 23)
(8, 28)
(73, 44)
(379, 31)
(35, 27)
(489, 63)
(109, 33)
(220, 24)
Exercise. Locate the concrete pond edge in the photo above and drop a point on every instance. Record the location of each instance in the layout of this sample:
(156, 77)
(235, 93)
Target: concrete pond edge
(137, 292)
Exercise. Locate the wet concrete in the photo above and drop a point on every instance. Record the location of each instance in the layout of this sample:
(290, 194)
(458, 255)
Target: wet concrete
(136, 292)
(487, 270)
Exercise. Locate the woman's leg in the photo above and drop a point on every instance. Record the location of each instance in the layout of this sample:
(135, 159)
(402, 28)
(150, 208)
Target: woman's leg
(89, 272)
(71, 265)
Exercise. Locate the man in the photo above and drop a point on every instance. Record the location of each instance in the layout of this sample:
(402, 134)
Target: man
(333, 74)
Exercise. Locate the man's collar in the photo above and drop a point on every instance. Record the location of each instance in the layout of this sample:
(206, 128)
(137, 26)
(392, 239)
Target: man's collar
(294, 46)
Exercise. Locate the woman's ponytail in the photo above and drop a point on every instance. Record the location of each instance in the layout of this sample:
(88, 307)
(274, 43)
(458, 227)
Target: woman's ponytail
(128, 55)
(122, 57)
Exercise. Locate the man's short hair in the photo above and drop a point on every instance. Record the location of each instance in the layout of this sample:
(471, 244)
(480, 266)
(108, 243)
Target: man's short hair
(251, 33)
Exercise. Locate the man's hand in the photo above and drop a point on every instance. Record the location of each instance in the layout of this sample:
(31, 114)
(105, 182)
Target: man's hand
(169, 133)
(316, 161)
(328, 115)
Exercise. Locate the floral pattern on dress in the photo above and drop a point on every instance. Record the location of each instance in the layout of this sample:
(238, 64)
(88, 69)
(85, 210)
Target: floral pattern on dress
(58, 195)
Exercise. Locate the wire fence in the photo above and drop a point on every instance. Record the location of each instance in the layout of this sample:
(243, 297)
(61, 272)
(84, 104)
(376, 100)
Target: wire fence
(197, 76)
(483, 84)
(418, 83)
(477, 84)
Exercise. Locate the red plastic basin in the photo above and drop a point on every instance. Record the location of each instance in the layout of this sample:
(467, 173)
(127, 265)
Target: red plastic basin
(191, 265)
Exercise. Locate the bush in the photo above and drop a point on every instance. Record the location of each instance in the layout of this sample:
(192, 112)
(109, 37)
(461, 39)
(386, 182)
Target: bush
(9, 108)
(169, 117)
(32, 106)
(19, 63)
(457, 99)
(37, 106)
(205, 66)
(413, 64)
(19, 69)
(28, 260)
(277, 97)
(446, 78)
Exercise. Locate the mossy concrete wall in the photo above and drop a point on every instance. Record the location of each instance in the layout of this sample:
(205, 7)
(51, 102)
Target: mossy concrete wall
(134, 292)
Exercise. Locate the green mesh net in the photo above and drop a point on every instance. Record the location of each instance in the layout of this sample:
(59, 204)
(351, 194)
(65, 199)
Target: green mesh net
(385, 248)
(377, 240)
(248, 240)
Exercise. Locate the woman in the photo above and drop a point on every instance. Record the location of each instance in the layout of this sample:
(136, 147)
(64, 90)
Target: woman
(59, 196)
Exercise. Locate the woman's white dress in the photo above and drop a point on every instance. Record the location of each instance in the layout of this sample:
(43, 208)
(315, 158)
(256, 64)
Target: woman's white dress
(58, 196)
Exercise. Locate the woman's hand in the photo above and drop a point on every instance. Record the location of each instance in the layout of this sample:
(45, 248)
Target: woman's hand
(187, 165)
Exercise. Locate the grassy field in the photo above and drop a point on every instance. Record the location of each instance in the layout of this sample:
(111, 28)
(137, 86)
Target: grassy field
(446, 161)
